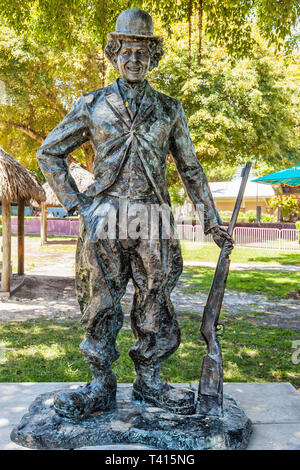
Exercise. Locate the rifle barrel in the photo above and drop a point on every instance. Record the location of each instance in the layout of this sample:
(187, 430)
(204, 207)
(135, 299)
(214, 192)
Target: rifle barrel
(236, 210)
(210, 396)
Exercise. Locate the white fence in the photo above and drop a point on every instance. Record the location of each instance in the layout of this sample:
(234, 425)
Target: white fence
(256, 237)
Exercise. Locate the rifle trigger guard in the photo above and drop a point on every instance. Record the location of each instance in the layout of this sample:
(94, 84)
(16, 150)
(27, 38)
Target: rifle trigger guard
(222, 329)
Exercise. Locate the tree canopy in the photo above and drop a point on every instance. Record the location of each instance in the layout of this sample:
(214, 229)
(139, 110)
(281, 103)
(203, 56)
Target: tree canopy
(245, 110)
(239, 106)
(66, 22)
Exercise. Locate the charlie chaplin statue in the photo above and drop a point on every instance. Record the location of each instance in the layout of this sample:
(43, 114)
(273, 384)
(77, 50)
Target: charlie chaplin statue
(132, 128)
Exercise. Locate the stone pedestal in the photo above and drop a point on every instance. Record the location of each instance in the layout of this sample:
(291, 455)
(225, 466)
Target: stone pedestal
(132, 422)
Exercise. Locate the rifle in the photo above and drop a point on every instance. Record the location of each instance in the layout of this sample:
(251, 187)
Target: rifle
(210, 394)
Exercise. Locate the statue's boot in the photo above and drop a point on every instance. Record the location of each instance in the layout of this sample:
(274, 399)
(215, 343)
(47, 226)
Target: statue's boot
(148, 387)
(99, 395)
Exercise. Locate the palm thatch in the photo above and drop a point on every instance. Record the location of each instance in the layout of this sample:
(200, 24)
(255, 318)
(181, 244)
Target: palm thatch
(82, 177)
(51, 199)
(17, 182)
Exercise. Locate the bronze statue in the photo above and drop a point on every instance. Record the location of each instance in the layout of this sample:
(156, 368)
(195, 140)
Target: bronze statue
(132, 128)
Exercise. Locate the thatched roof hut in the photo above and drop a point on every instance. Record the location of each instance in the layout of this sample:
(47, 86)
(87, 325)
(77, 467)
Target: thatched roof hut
(16, 182)
(17, 185)
(82, 177)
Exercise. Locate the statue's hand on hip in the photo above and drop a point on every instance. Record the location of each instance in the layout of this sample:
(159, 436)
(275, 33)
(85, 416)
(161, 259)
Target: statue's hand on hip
(220, 237)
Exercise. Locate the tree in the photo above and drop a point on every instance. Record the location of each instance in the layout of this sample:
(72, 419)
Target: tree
(247, 108)
(40, 87)
(236, 111)
(226, 22)
(290, 206)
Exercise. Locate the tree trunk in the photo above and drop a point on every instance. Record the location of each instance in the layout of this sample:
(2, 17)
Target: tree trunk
(21, 206)
(89, 156)
(43, 224)
(103, 42)
(6, 246)
(26, 130)
(200, 28)
(190, 11)
(279, 214)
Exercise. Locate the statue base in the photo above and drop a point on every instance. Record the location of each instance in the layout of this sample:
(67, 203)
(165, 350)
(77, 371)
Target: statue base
(132, 422)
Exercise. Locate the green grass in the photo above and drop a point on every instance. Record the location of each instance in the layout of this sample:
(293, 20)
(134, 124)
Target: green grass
(197, 252)
(272, 284)
(44, 351)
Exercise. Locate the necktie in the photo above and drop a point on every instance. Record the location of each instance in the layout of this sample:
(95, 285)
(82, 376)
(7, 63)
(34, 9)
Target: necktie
(131, 103)
(132, 95)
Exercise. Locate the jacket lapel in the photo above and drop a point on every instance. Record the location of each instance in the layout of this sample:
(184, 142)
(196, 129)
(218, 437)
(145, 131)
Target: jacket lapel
(115, 102)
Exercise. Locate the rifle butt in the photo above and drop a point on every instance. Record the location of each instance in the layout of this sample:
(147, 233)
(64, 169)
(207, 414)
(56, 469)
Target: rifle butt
(210, 394)
(210, 406)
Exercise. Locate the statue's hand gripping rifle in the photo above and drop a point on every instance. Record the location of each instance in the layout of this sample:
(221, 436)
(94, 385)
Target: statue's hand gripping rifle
(210, 396)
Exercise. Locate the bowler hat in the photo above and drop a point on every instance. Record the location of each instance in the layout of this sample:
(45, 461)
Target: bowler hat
(134, 24)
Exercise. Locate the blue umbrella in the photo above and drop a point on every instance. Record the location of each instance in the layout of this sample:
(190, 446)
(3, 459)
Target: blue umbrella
(288, 177)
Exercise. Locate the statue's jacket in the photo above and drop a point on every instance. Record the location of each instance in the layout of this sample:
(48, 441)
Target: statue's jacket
(159, 128)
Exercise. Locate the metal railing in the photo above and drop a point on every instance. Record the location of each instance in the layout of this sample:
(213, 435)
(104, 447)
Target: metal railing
(256, 237)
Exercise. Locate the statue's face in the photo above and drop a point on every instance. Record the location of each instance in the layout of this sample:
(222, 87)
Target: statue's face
(133, 60)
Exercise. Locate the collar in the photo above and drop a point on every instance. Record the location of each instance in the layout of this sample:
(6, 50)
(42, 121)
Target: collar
(130, 87)
(114, 99)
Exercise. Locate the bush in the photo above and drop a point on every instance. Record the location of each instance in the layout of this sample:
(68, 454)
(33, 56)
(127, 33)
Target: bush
(225, 216)
(251, 216)
(267, 218)
(242, 217)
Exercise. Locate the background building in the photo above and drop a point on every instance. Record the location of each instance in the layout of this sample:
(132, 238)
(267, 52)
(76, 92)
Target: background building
(225, 194)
